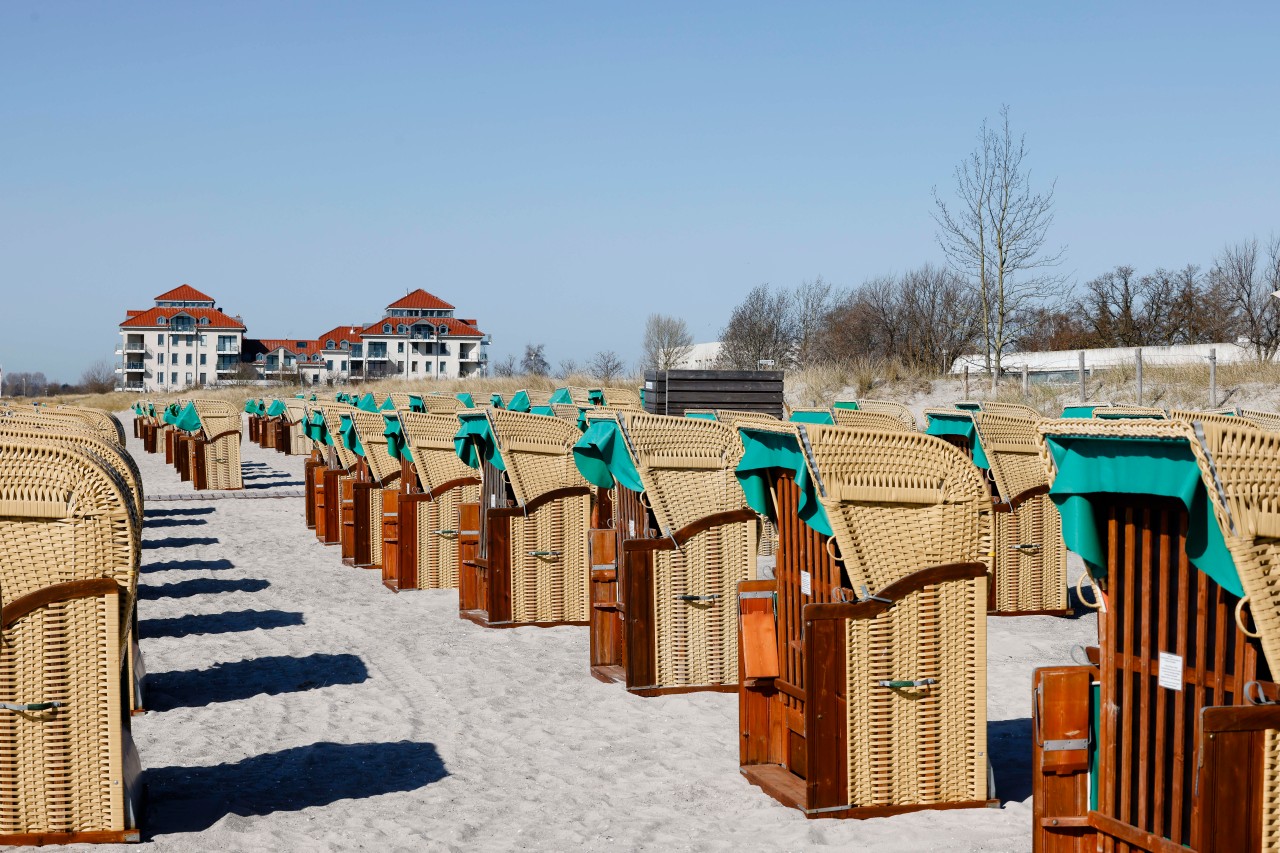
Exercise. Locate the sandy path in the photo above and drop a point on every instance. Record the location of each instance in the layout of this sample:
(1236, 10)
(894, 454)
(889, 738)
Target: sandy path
(299, 705)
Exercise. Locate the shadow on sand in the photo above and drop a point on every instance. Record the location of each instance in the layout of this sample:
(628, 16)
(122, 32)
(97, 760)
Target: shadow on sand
(274, 484)
(192, 799)
(174, 522)
(270, 676)
(192, 510)
(201, 586)
(217, 623)
(179, 542)
(1009, 744)
(218, 565)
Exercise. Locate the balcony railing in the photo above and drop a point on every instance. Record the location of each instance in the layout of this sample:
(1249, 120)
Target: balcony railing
(136, 346)
(135, 367)
(229, 349)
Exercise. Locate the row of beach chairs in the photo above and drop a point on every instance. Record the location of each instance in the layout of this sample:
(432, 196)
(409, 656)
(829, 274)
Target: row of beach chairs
(71, 506)
(860, 663)
(200, 438)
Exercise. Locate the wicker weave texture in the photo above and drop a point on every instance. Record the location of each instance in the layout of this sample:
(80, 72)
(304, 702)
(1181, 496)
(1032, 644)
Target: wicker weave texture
(430, 439)
(550, 569)
(117, 457)
(1269, 421)
(868, 420)
(1011, 444)
(538, 452)
(1034, 578)
(919, 745)
(371, 429)
(222, 457)
(332, 413)
(438, 537)
(697, 641)
(62, 770)
(899, 502)
(889, 407)
(108, 425)
(686, 466)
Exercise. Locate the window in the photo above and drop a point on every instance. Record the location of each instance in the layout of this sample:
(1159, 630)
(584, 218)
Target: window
(188, 378)
(428, 368)
(188, 358)
(160, 339)
(202, 358)
(191, 339)
(346, 344)
(401, 329)
(386, 328)
(300, 345)
(342, 365)
(173, 340)
(204, 321)
(161, 320)
(329, 344)
(204, 339)
(161, 378)
(413, 367)
(159, 358)
(400, 346)
(173, 378)
(201, 378)
(328, 364)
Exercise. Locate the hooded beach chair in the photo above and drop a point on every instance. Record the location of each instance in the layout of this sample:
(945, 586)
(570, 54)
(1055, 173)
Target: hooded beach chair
(882, 407)
(216, 447)
(104, 422)
(1028, 558)
(372, 496)
(435, 485)
(69, 553)
(1167, 739)
(531, 560)
(864, 691)
(665, 576)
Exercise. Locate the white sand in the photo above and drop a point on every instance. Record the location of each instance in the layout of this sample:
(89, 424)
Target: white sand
(300, 705)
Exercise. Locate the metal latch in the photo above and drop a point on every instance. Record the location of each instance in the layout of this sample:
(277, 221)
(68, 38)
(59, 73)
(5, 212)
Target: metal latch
(695, 598)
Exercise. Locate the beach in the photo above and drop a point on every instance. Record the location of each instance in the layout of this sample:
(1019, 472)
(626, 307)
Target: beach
(295, 703)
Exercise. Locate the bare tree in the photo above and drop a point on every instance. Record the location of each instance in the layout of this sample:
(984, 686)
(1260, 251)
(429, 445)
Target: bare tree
(99, 378)
(994, 236)
(566, 368)
(813, 301)
(505, 366)
(1248, 276)
(605, 366)
(761, 328)
(667, 342)
(534, 362)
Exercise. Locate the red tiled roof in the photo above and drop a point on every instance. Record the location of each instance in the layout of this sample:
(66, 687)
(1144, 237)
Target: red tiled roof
(147, 319)
(456, 327)
(350, 334)
(184, 293)
(420, 299)
(132, 313)
(290, 344)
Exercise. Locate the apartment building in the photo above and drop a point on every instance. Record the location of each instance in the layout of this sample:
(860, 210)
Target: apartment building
(183, 341)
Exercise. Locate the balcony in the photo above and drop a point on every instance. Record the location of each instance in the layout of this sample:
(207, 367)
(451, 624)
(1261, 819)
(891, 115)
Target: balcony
(135, 367)
(229, 349)
(132, 386)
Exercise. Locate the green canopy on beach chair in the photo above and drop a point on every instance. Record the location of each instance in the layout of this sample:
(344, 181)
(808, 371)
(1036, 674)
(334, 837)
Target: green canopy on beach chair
(603, 458)
(254, 407)
(397, 443)
(763, 450)
(495, 400)
(388, 405)
(276, 409)
(350, 438)
(1091, 466)
(315, 429)
(960, 424)
(187, 420)
(702, 416)
(475, 442)
(465, 399)
(519, 402)
(820, 417)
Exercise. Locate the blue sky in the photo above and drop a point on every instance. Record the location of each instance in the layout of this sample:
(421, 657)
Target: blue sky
(560, 170)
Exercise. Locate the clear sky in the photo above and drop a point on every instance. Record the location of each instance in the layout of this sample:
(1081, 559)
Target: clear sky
(560, 170)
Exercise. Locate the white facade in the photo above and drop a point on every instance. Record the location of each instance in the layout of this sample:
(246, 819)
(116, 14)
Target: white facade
(182, 342)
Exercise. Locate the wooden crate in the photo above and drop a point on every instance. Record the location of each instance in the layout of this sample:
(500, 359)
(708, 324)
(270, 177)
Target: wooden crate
(673, 392)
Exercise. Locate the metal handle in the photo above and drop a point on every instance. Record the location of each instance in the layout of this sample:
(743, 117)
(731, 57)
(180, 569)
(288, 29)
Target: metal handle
(919, 682)
(445, 532)
(30, 706)
(544, 553)
(693, 598)
(1025, 549)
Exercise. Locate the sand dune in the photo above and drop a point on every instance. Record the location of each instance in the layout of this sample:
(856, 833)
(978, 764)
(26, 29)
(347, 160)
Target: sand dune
(299, 705)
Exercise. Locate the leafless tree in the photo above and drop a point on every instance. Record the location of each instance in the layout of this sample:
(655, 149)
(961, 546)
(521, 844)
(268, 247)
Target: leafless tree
(505, 366)
(762, 327)
(994, 236)
(813, 301)
(1248, 275)
(534, 362)
(667, 342)
(567, 367)
(605, 366)
(99, 378)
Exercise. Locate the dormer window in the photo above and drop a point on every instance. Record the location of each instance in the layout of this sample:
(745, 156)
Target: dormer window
(346, 344)
(161, 320)
(401, 329)
(386, 328)
(204, 321)
(328, 344)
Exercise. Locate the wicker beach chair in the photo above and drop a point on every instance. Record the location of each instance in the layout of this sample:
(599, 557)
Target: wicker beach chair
(883, 407)
(335, 482)
(219, 441)
(868, 419)
(436, 484)
(69, 552)
(105, 422)
(379, 491)
(1127, 412)
(1263, 420)
(1167, 739)
(531, 562)
(892, 645)
(680, 547)
(620, 398)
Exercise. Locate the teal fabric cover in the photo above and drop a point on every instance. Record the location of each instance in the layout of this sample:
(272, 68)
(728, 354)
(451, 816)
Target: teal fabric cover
(1101, 413)
(542, 410)
(595, 397)
(968, 407)
(763, 451)
(397, 444)
(561, 395)
(845, 404)
(1089, 466)
(642, 397)
(276, 409)
(343, 397)
(350, 440)
(316, 429)
(466, 399)
(495, 400)
(1078, 411)
(603, 458)
(187, 420)
(702, 416)
(812, 418)
(519, 402)
(961, 425)
(367, 403)
(416, 404)
(170, 413)
(388, 405)
(475, 442)
(251, 407)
